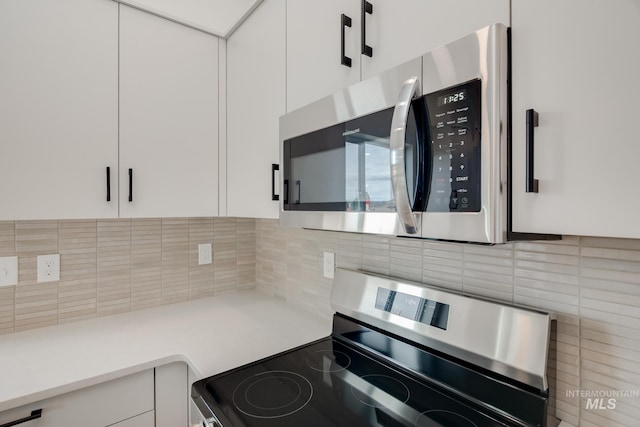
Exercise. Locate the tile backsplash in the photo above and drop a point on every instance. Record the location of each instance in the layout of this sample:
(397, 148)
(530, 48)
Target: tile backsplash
(592, 284)
(115, 266)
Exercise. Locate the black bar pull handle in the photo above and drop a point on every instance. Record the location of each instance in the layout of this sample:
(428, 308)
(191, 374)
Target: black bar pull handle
(274, 167)
(35, 414)
(532, 122)
(131, 185)
(108, 184)
(366, 8)
(286, 191)
(345, 21)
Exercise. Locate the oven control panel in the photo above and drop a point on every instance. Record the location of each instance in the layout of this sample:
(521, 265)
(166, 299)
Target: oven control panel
(413, 307)
(454, 116)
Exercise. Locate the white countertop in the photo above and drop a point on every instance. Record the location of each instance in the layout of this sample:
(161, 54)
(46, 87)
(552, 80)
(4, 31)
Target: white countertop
(211, 335)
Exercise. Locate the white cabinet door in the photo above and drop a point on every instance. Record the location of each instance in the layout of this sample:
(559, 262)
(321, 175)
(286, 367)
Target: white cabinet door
(577, 64)
(172, 395)
(58, 108)
(255, 100)
(401, 30)
(314, 66)
(168, 118)
(97, 406)
(397, 31)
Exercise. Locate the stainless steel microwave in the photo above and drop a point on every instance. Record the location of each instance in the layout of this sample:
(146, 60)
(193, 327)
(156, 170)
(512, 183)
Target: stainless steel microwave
(418, 151)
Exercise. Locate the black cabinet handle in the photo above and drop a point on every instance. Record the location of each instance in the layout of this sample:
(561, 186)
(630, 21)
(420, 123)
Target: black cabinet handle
(532, 122)
(345, 21)
(131, 185)
(35, 414)
(286, 191)
(108, 184)
(366, 8)
(274, 168)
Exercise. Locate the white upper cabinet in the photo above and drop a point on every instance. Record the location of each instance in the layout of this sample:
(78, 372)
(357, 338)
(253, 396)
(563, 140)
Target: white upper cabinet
(84, 88)
(314, 67)
(400, 30)
(217, 17)
(255, 101)
(577, 64)
(168, 118)
(395, 32)
(58, 108)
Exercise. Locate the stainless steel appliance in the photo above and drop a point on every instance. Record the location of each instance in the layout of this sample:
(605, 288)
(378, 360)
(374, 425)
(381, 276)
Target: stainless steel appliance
(400, 354)
(420, 150)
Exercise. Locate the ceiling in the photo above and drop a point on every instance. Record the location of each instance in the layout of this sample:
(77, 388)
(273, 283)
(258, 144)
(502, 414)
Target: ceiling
(217, 17)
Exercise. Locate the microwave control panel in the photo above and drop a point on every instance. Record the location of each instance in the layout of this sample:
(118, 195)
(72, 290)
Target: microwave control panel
(453, 148)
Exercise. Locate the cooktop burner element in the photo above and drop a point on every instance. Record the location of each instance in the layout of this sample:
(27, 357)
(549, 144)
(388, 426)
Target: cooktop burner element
(272, 394)
(438, 418)
(393, 367)
(380, 388)
(328, 361)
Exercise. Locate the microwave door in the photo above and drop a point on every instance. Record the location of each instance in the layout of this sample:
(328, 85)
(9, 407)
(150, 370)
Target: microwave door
(336, 157)
(369, 187)
(406, 160)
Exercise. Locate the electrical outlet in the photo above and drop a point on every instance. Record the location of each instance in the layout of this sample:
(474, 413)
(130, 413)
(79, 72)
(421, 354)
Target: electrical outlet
(48, 268)
(204, 253)
(329, 264)
(8, 271)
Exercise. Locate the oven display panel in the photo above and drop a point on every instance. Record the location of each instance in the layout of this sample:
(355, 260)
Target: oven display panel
(454, 135)
(411, 307)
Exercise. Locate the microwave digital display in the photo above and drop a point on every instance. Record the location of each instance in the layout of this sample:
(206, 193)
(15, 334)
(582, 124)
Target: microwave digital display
(450, 98)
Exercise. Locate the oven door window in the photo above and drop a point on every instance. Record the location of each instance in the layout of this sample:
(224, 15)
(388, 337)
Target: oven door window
(346, 167)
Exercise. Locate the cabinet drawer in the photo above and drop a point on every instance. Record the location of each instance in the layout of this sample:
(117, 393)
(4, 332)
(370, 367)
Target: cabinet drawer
(100, 405)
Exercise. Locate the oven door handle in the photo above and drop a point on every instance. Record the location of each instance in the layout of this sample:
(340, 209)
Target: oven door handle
(409, 90)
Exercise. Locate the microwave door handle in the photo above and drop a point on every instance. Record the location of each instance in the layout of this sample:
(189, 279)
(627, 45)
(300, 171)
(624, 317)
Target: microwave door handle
(409, 90)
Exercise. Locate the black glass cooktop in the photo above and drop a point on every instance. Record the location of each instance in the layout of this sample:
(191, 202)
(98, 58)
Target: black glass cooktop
(351, 379)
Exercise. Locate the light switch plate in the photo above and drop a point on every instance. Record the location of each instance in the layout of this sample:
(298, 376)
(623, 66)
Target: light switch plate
(48, 268)
(204, 253)
(329, 264)
(8, 271)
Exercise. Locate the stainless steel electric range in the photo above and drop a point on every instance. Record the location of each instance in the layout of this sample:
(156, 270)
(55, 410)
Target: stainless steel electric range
(400, 354)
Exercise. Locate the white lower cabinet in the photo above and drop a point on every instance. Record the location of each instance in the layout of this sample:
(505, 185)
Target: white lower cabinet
(129, 400)
(153, 398)
(172, 395)
(143, 420)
